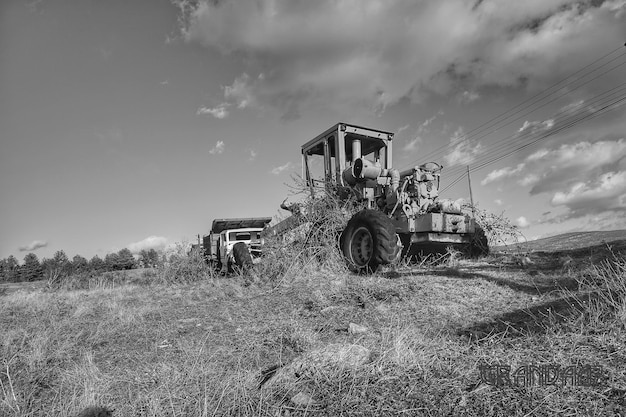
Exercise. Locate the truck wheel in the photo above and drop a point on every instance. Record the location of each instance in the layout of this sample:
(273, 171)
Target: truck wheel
(218, 262)
(479, 246)
(242, 256)
(368, 241)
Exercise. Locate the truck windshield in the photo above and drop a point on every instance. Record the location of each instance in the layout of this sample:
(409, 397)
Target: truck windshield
(234, 236)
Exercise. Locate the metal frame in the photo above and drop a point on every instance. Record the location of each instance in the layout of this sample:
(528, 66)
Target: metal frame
(339, 132)
(220, 225)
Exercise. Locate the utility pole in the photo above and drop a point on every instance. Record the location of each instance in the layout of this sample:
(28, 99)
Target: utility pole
(469, 180)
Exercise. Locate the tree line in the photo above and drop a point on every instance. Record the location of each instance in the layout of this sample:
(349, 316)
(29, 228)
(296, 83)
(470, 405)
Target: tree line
(32, 269)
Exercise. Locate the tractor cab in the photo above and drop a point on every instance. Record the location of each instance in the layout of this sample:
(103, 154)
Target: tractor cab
(348, 156)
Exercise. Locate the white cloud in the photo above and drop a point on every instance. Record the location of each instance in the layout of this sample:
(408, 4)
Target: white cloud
(552, 169)
(541, 153)
(522, 222)
(219, 112)
(280, 169)
(218, 148)
(423, 127)
(318, 52)
(529, 179)
(572, 107)
(561, 167)
(533, 128)
(240, 91)
(606, 193)
(501, 173)
(152, 242)
(464, 151)
(583, 178)
(498, 201)
(467, 97)
(253, 154)
(402, 129)
(34, 245)
(412, 145)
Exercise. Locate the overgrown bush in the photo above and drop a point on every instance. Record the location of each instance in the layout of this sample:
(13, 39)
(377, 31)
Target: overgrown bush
(312, 240)
(184, 267)
(497, 227)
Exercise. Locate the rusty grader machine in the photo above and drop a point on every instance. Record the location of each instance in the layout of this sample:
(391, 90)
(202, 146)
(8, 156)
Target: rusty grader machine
(404, 214)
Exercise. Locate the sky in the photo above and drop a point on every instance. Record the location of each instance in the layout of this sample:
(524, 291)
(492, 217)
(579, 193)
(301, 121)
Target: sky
(135, 123)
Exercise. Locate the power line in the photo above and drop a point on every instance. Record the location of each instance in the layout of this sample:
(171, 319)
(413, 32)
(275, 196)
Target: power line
(492, 123)
(453, 183)
(617, 103)
(560, 118)
(607, 107)
(476, 138)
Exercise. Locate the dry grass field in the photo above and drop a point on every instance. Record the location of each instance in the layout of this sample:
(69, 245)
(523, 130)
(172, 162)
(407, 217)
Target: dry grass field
(318, 341)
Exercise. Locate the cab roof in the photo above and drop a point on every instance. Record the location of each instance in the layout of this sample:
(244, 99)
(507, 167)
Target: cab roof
(219, 225)
(350, 130)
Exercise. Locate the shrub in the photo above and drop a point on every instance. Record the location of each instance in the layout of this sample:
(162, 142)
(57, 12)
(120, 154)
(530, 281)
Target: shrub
(184, 267)
(497, 227)
(312, 243)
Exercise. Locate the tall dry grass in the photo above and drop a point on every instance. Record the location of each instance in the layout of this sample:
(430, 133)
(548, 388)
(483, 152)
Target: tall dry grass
(312, 244)
(199, 348)
(182, 341)
(601, 295)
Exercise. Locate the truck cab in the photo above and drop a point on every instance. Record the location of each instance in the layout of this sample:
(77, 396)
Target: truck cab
(226, 233)
(250, 236)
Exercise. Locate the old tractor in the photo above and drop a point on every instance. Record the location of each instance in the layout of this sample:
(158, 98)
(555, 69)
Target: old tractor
(404, 214)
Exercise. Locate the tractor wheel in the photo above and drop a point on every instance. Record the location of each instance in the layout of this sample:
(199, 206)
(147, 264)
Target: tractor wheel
(479, 246)
(368, 241)
(242, 256)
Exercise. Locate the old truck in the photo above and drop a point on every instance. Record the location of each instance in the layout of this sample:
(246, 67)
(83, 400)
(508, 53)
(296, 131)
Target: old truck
(403, 212)
(234, 242)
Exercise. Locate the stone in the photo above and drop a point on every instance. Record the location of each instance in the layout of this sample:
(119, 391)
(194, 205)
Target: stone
(339, 355)
(302, 399)
(322, 360)
(354, 328)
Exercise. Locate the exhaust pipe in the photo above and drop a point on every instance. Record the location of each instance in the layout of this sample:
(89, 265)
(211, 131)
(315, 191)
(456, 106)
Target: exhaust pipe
(356, 150)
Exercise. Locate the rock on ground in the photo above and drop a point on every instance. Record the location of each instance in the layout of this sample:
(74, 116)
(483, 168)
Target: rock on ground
(354, 328)
(323, 360)
(302, 399)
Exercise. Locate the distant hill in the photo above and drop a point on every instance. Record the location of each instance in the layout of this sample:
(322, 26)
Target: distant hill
(570, 241)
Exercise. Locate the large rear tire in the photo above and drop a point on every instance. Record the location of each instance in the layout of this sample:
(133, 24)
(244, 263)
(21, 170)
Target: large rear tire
(369, 241)
(241, 256)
